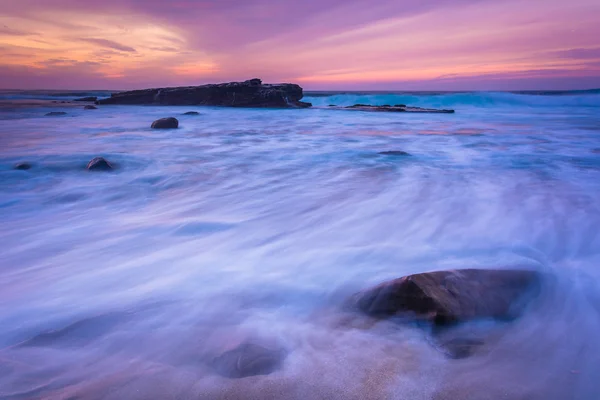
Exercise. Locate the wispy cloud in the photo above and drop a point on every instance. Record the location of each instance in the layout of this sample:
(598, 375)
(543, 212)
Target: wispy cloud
(109, 44)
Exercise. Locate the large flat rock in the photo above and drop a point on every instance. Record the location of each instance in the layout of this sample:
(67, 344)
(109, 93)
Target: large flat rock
(251, 93)
(445, 297)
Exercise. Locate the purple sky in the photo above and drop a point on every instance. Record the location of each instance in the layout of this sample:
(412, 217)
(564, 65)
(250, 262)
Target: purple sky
(320, 44)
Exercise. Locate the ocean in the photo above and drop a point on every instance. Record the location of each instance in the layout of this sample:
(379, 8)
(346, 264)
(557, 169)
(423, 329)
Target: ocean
(261, 223)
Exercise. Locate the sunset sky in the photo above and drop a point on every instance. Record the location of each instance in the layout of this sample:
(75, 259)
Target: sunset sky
(320, 44)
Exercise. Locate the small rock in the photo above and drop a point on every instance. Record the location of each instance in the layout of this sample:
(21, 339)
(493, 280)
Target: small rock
(88, 107)
(55, 113)
(23, 166)
(99, 164)
(394, 153)
(89, 98)
(165, 123)
(248, 359)
(191, 113)
(460, 348)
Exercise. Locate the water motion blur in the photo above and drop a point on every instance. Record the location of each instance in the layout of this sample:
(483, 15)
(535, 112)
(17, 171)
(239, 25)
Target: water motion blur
(245, 231)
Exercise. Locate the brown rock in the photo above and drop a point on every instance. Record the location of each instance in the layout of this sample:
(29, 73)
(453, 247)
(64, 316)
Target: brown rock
(88, 107)
(445, 297)
(165, 123)
(251, 93)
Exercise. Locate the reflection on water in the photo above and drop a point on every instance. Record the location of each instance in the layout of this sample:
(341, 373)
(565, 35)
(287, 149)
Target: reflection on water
(256, 225)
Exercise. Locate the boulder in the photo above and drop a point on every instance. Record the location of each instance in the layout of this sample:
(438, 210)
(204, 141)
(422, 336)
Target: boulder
(248, 359)
(165, 123)
(89, 98)
(191, 113)
(251, 93)
(99, 164)
(23, 166)
(88, 107)
(446, 297)
(394, 153)
(55, 113)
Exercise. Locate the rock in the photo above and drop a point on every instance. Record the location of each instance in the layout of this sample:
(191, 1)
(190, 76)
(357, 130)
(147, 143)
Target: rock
(165, 123)
(99, 164)
(89, 98)
(191, 113)
(23, 166)
(446, 297)
(248, 359)
(460, 347)
(251, 93)
(88, 107)
(55, 113)
(396, 108)
(394, 153)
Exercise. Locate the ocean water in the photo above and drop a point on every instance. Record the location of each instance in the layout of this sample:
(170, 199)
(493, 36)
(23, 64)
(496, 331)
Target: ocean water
(257, 225)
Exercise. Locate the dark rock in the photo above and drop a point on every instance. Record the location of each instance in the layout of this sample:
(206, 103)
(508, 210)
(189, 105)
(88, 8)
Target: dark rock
(90, 107)
(332, 105)
(55, 113)
(396, 108)
(446, 297)
(165, 123)
(89, 98)
(23, 166)
(99, 164)
(191, 113)
(460, 347)
(251, 93)
(248, 359)
(394, 153)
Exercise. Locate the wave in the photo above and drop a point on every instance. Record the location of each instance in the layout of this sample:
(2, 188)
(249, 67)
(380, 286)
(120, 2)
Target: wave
(587, 98)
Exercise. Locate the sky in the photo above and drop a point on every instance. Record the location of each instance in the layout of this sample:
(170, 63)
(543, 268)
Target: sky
(319, 44)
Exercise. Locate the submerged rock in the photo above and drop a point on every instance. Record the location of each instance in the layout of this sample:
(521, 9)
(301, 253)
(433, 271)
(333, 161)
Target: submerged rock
(395, 108)
(251, 93)
(248, 359)
(89, 98)
(23, 166)
(99, 164)
(55, 113)
(191, 113)
(88, 107)
(445, 297)
(165, 123)
(460, 347)
(394, 153)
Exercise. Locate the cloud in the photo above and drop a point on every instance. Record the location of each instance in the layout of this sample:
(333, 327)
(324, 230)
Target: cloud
(109, 44)
(578, 53)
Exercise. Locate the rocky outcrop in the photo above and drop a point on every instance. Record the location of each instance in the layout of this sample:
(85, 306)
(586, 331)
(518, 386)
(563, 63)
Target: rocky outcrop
(395, 108)
(89, 98)
(88, 107)
(251, 93)
(446, 297)
(191, 113)
(165, 123)
(248, 359)
(99, 164)
(55, 113)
